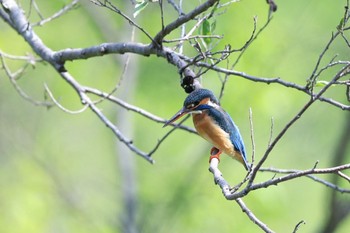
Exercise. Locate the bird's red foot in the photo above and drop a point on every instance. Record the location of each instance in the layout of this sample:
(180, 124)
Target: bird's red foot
(214, 153)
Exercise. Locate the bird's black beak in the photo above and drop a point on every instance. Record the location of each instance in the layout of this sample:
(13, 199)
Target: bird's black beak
(183, 111)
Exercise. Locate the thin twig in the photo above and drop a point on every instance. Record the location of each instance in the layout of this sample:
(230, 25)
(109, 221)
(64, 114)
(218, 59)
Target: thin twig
(31, 5)
(182, 19)
(177, 7)
(112, 7)
(252, 135)
(271, 132)
(296, 228)
(161, 13)
(312, 79)
(187, 37)
(347, 178)
(16, 75)
(160, 141)
(60, 106)
(56, 15)
(133, 108)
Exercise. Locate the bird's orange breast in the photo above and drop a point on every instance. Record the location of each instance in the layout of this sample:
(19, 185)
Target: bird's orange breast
(209, 130)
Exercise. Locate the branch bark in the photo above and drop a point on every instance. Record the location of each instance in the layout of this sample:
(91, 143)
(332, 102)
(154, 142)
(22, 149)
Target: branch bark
(13, 15)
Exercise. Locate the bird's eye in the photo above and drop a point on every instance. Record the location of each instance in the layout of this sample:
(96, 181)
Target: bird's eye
(192, 105)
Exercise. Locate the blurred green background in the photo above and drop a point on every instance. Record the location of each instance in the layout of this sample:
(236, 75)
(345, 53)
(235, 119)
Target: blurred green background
(66, 173)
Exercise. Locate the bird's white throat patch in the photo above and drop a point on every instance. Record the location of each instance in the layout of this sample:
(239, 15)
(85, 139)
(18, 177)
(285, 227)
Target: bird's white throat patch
(197, 112)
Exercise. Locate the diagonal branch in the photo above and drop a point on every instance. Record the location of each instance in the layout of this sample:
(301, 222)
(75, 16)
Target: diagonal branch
(250, 186)
(183, 19)
(110, 6)
(252, 216)
(87, 101)
(19, 22)
(296, 117)
(64, 10)
(135, 109)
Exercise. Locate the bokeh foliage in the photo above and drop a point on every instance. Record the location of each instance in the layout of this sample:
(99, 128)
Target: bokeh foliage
(60, 172)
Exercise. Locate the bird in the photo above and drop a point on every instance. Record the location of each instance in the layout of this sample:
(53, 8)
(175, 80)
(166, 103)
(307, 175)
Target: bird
(214, 124)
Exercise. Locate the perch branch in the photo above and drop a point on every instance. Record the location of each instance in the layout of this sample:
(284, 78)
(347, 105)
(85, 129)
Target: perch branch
(250, 186)
(324, 182)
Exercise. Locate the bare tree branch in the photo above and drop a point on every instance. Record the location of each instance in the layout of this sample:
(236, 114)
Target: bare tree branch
(86, 100)
(274, 181)
(252, 216)
(207, 59)
(322, 181)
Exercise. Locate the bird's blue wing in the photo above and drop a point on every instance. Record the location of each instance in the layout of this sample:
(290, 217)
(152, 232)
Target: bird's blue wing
(227, 124)
(237, 140)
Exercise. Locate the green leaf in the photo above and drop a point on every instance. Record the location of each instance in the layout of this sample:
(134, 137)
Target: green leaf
(140, 6)
(322, 83)
(206, 31)
(206, 27)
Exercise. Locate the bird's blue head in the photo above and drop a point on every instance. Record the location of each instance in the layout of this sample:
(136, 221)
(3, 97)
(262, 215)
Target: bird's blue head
(196, 102)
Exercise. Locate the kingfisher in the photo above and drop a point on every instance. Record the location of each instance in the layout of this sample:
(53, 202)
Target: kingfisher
(213, 124)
